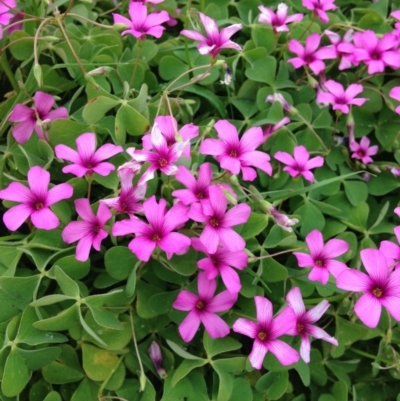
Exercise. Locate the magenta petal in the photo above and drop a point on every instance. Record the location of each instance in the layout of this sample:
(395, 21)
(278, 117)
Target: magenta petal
(231, 279)
(38, 179)
(84, 210)
(295, 301)
(106, 151)
(283, 324)
(75, 230)
(66, 153)
(375, 263)
(284, 158)
(317, 161)
(388, 248)
(76, 170)
(222, 302)
(209, 237)
(176, 216)
(335, 267)
(264, 310)
(174, 243)
(257, 159)
(142, 247)
(231, 239)
(21, 113)
(185, 301)
(392, 303)
(231, 164)
(16, 192)
(368, 309)
(251, 139)
(83, 248)
(193, 35)
(245, 327)
(44, 219)
(304, 260)
(305, 348)
(335, 247)
(189, 326)
(257, 354)
(59, 192)
(196, 213)
(212, 147)
(320, 274)
(215, 326)
(57, 114)
(23, 131)
(283, 352)
(206, 287)
(15, 217)
(315, 242)
(353, 280)
(315, 313)
(239, 214)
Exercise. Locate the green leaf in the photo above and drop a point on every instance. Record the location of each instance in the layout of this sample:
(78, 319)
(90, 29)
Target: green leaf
(97, 363)
(63, 321)
(347, 333)
(88, 329)
(97, 107)
(53, 396)
(50, 300)
(105, 318)
(273, 271)
(22, 49)
(255, 225)
(16, 374)
(10, 256)
(66, 369)
(185, 368)
(213, 99)
(225, 386)
(72, 267)
(119, 262)
(218, 346)
(66, 131)
(356, 191)
(20, 289)
(304, 372)
(263, 36)
(67, 285)
(241, 390)
(278, 237)
(181, 352)
(311, 218)
(274, 384)
(185, 266)
(135, 124)
(38, 358)
(171, 67)
(263, 70)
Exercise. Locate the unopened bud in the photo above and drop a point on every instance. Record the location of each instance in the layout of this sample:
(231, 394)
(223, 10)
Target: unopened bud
(277, 97)
(100, 71)
(156, 357)
(229, 194)
(37, 73)
(282, 220)
(46, 125)
(119, 27)
(91, 80)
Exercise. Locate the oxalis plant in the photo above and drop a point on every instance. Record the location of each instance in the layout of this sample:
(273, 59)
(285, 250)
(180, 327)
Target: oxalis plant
(200, 200)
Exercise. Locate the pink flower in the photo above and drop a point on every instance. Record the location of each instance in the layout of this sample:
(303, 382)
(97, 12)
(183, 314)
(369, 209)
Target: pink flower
(197, 191)
(140, 23)
(278, 20)
(343, 47)
(221, 262)
(5, 15)
(31, 119)
(35, 201)
(215, 40)
(321, 258)
(340, 98)
(392, 250)
(362, 151)
(266, 333)
(161, 157)
(381, 287)
(304, 322)
(237, 155)
(87, 160)
(202, 308)
(169, 129)
(88, 232)
(300, 164)
(129, 196)
(270, 129)
(309, 55)
(156, 357)
(218, 222)
(395, 94)
(397, 211)
(282, 220)
(277, 97)
(158, 232)
(376, 53)
(319, 7)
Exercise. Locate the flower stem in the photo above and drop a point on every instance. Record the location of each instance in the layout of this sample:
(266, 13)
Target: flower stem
(370, 356)
(168, 88)
(140, 47)
(274, 254)
(90, 21)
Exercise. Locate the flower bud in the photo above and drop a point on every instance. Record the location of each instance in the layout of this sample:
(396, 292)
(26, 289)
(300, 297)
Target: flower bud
(156, 357)
(46, 125)
(37, 72)
(282, 220)
(100, 71)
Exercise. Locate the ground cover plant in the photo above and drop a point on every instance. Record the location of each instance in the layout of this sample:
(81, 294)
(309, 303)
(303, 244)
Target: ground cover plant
(199, 200)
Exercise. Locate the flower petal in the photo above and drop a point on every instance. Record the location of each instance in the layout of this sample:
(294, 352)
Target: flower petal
(142, 247)
(368, 309)
(215, 326)
(222, 302)
(185, 301)
(44, 219)
(189, 326)
(283, 352)
(264, 311)
(16, 216)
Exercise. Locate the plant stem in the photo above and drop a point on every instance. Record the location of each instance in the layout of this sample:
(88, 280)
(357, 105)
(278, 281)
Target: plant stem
(90, 21)
(370, 356)
(140, 46)
(274, 254)
(142, 374)
(167, 90)
(35, 42)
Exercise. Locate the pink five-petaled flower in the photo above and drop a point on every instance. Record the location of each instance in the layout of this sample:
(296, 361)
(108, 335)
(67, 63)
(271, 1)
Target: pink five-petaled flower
(140, 23)
(158, 232)
(237, 155)
(300, 164)
(87, 160)
(343, 47)
(220, 262)
(304, 322)
(215, 40)
(392, 250)
(319, 7)
(362, 151)
(395, 94)
(218, 222)
(278, 20)
(35, 201)
(375, 52)
(161, 157)
(381, 287)
(340, 98)
(89, 231)
(266, 333)
(31, 119)
(169, 128)
(202, 308)
(309, 55)
(129, 196)
(321, 258)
